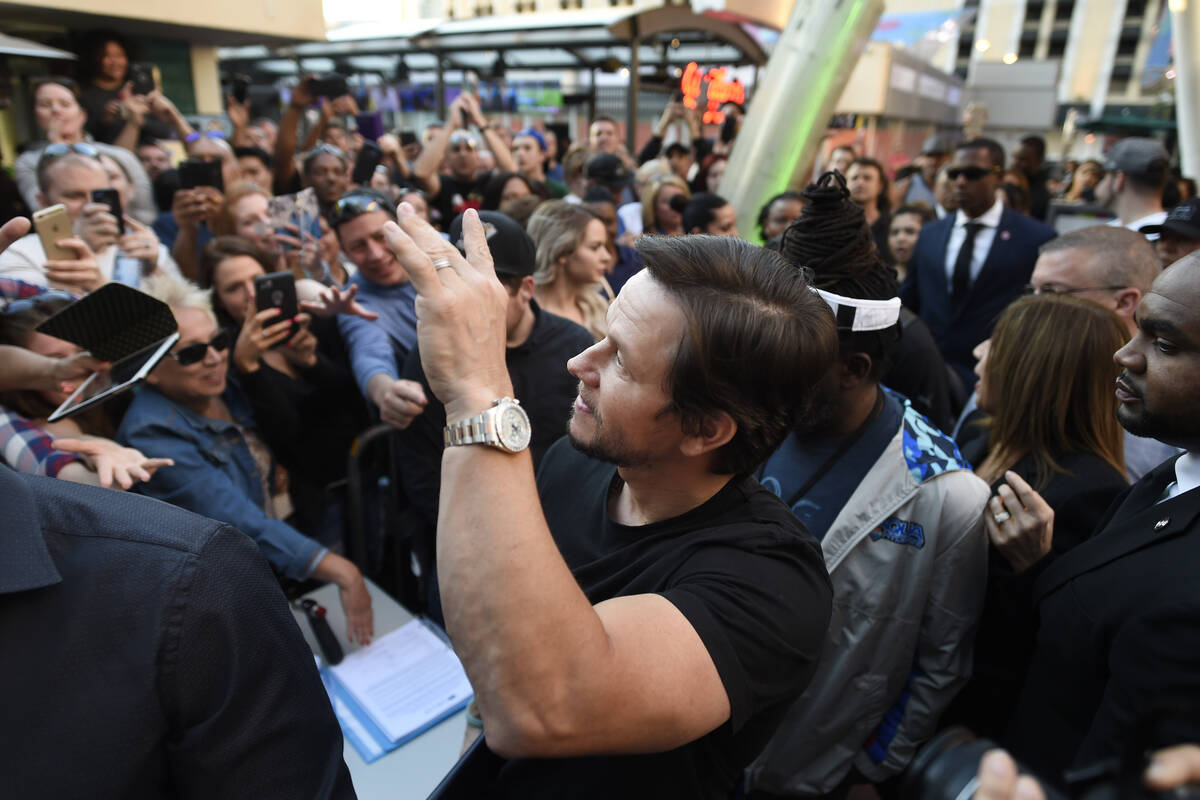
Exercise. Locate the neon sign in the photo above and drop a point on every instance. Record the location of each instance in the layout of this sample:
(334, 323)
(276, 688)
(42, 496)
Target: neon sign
(721, 90)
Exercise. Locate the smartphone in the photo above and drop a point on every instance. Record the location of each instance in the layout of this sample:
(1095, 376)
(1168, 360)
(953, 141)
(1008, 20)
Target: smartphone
(408, 138)
(369, 156)
(53, 225)
(144, 77)
(195, 172)
(110, 198)
(370, 125)
(329, 86)
(241, 88)
(277, 290)
(728, 129)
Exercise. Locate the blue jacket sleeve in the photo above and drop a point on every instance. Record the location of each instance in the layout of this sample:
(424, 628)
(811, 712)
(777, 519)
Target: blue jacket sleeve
(197, 484)
(369, 348)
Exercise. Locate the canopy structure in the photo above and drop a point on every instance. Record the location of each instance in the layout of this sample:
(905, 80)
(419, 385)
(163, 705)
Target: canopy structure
(13, 46)
(667, 38)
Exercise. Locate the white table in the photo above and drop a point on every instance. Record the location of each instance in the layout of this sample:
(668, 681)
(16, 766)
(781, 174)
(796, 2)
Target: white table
(415, 768)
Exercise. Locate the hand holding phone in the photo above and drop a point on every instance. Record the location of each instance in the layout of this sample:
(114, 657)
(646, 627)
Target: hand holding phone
(278, 290)
(53, 225)
(369, 157)
(112, 199)
(195, 172)
(144, 77)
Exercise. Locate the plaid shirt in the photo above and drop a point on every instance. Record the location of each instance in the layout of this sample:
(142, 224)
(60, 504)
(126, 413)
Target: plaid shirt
(11, 289)
(27, 448)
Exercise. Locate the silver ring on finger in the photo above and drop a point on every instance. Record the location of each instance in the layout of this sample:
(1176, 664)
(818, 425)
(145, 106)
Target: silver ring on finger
(441, 263)
(1002, 517)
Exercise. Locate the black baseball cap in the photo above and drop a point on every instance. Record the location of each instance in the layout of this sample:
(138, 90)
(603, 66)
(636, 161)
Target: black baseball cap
(1184, 220)
(608, 169)
(513, 251)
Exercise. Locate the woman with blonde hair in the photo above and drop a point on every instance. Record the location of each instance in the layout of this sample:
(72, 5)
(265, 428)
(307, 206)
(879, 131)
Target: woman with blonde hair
(572, 260)
(1047, 381)
(658, 214)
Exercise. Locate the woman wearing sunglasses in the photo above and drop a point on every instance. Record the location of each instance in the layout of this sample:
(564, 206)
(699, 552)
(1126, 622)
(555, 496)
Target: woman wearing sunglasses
(26, 438)
(192, 413)
(301, 381)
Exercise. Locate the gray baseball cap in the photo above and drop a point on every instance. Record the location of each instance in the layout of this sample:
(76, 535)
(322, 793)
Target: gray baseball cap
(1135, 155)
(935, 146)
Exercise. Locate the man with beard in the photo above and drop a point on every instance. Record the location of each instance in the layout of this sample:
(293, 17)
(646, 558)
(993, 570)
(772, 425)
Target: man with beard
(644, 637)
(1118, 644)
(900, 518)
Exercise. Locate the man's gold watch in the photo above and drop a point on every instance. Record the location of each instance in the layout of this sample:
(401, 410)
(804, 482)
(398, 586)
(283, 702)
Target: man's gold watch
(504, 426)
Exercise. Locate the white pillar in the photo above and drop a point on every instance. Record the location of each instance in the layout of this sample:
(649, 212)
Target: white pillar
(792, 105)
(1185, 37)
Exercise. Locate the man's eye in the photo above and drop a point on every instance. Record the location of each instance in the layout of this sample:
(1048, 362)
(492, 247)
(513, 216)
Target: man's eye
(1165, 347)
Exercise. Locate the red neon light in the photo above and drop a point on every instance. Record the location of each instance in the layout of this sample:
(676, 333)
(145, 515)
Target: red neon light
(721, 90)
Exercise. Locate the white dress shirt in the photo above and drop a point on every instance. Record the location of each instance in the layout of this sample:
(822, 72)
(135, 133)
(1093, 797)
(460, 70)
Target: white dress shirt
(1157, 218)
(990, 220)
(1187, 476)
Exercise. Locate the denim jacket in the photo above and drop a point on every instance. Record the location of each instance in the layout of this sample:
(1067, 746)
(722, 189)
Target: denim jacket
(214, 473)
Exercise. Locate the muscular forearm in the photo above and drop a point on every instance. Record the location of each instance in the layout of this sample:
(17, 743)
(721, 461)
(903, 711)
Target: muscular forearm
(314, 135)
(128, 137)
(285, 144)
(427, 163)
(25, 369)
(184, 251)
(504, 159)
(507, 594)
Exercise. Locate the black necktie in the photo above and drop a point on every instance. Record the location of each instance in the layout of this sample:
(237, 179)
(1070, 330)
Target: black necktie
(962, 264)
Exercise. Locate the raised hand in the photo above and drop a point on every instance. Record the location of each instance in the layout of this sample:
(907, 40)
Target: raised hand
(333, 301)
(461, 310)
(81, 274)
(1019, 523)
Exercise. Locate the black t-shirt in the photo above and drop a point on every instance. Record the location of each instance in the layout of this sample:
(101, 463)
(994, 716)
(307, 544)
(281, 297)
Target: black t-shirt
(455, 197)
(750, 580)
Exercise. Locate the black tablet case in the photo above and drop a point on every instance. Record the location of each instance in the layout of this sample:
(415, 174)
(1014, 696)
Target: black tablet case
(113, 322)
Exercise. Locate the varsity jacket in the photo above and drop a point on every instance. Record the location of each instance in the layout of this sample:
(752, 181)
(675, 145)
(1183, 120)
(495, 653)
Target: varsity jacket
(907, 555)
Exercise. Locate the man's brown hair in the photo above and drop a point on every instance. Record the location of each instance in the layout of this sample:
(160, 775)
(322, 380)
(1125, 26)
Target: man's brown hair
(757, 340)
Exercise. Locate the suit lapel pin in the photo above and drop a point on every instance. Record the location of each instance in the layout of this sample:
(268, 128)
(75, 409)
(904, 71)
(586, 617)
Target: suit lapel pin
(1005, 235)
(1162, 523)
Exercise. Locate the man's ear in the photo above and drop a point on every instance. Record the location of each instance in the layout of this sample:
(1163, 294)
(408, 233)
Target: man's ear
(853, 370)
(527, 288)
(716, 430)
(1127, 300)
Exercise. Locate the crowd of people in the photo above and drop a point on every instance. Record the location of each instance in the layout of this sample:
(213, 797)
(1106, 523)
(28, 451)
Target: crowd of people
(797, 507)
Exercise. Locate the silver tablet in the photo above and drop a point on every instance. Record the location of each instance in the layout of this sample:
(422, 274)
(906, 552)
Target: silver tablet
(124, 374)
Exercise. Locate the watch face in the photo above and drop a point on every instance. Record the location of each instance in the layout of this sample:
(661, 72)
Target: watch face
(514, 429)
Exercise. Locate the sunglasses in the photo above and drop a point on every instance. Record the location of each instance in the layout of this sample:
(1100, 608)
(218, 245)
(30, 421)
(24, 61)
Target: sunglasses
(195, 353)
(59, 149)
(196, 136)
(971, 173)
(355, 204)
(31, 302)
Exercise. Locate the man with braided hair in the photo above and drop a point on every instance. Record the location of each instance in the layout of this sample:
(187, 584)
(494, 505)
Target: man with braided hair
(900, 519)
(829, 234)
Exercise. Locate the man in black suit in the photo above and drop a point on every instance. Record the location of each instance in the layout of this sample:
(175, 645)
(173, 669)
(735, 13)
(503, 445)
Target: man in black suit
(1119, 635)
(967, 267)
(149, 652)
